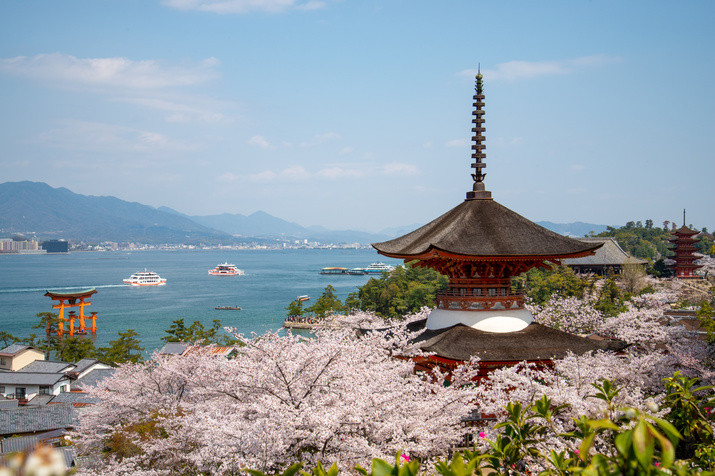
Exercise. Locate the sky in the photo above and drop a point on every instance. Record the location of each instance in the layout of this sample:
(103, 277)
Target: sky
(357, 114)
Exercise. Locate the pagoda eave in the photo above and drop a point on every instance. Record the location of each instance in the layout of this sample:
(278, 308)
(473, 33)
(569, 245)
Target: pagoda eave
(435, 252)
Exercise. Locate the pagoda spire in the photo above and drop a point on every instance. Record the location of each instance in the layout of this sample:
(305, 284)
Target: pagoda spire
(478, 148)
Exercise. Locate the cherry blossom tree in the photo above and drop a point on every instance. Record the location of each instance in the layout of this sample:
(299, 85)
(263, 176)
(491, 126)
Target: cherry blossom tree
(336, 397)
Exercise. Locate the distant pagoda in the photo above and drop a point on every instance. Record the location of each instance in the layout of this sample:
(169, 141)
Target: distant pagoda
(683, 241)
(480, 245)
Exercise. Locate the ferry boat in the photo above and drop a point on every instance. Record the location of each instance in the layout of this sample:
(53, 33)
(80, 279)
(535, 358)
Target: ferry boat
(145, 278)
(227, 308)
(378, 268)
(226, 269)
(334, 270)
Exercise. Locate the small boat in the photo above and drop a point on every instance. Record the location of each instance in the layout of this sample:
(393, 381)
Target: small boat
(378, 268)
(145, 278)
(302, 298)
(334, 270)
(227, 308)
(226, 269)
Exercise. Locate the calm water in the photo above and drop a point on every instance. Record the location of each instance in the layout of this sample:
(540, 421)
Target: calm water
(272, 280)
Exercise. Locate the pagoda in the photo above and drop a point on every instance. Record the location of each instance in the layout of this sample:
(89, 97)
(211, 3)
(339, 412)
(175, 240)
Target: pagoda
(683, 241)
(480, 245)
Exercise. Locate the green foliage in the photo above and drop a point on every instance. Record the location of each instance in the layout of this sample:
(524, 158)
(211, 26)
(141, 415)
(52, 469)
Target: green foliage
(400, 468)
(124, 349)
(73, 349)
(291, 470)
(706, 316)
(611, 300)
(645, 242)
(197, 333)
(320, 471)
(327, 303)
(540, 284)
(403, 291)
(7, 339)
(690, 412)
(295, 308)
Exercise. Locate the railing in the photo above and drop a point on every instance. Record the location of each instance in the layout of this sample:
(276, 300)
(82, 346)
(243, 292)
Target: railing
(457, 301)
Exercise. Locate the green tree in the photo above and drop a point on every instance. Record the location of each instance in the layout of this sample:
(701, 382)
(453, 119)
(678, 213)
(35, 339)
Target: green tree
(7, 339)
(540, 284)
(327, 303)
(197, 333)
(405, 290)
(72, 349)
(295, 308)
(124, 349)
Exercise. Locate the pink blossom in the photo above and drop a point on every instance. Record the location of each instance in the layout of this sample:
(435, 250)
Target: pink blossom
(406, 458)
(482, 434)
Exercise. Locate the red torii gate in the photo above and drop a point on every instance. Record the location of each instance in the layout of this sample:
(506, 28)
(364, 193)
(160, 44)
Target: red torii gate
(69, 300)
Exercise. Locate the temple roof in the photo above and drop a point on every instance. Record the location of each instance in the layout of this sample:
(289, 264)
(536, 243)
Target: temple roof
(610, 254)
(684, 230)
(534, 342)
(485, 228)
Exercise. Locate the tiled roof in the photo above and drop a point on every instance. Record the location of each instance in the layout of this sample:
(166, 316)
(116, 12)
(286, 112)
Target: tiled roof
(6, 403)
(208, 350)
(609, 254)
(74, 398)
(92, 378)
(29, 419)
(84, 364)
(534, 342)
(13, 349)
(21, 443)
(40, 399)
(46, 366)
(484, 228)
(30, 378)
(172, 348)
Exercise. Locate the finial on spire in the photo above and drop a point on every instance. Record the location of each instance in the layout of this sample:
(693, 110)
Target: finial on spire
(478, 139)
(683, 216)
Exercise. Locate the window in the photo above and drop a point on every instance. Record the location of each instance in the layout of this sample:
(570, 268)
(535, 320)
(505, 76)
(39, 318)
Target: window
(2, 389)
(20, 392)
(44, 389)
(3, 361)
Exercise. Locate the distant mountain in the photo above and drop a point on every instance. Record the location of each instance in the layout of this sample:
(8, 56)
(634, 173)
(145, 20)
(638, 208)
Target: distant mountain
(256, 224)
(34, 207)
(576, 229)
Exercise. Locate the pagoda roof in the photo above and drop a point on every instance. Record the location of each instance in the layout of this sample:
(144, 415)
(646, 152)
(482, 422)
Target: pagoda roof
(611, 254)
(684, 230)
(72, 294)
(483, 228)
(534, 342)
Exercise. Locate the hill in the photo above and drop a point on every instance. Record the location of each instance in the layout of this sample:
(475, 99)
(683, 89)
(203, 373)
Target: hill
(47, 212)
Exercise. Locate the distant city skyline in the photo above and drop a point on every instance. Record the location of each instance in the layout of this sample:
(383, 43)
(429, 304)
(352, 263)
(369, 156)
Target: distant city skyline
(357, 115)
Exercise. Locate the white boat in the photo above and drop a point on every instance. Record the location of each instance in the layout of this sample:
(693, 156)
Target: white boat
(145, 278)
(378, 268)
(226, 269)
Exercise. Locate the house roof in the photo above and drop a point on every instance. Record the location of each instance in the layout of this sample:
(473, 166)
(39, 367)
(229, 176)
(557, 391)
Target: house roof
(84, 364)
(46, 366)
(75, 398)
(174, 348)
(92, 378)
(29, 419)
(21, 443)
(6, 403)
(14, 349)
(484, 228)
(30, 378)
(534, 342)
(209, 350)
(610, 254)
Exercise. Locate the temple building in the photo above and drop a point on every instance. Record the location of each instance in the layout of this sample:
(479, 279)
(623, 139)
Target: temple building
(608, 260)
(480, 245)
(683, 241)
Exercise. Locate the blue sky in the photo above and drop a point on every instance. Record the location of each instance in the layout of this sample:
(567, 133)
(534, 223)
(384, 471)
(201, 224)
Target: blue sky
(356, 114)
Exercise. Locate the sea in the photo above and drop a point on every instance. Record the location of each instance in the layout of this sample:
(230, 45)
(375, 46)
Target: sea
(273, 278)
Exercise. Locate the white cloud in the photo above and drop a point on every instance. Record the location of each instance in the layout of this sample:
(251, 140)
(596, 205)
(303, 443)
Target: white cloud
(334, 173)
(109, 138)
(177, 112)
(346, 151)
(295, 173)
(516, 70)
(117, 72)
(457, 143)
(266, 176)
(260, 141)
(244, 6)
(399, 169)
(320, 139)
